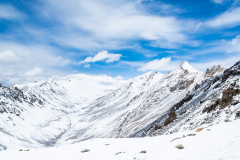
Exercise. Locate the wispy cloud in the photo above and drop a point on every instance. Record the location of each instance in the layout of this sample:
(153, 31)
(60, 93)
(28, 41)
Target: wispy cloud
(9, 12)
(107, 21)
(230, 18)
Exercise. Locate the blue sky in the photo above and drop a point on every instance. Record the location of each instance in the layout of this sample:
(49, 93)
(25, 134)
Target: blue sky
(49, 38)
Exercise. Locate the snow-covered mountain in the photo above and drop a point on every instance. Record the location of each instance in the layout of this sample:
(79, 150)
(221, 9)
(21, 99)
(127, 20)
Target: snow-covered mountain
(49, 112)
(35, 114)
(135, 105)
(82, 89)
(216, 99)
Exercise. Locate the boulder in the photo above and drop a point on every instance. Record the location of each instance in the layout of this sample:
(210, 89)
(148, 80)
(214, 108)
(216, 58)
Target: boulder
(85, 150)
(226, 120)
(199, 129)
(179, 146)
(143, 152)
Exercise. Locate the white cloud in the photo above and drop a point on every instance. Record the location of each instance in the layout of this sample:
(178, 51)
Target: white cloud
(218, 1)
(163, 64)
(232, 46)
(8, 56)
(8, 12)
(226, 62)
(102, 56)
(33, 72)
(87, 66)
(110, 23)
(16, 59)
(230, 18)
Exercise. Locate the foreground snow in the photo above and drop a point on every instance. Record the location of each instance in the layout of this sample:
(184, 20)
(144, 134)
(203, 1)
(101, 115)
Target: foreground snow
(221, 142)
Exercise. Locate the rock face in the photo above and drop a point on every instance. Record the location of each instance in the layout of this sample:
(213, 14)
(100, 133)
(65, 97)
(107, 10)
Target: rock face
(214, 71)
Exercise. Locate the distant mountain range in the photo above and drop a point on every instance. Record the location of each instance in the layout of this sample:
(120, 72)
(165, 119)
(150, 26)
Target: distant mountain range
(49, 113)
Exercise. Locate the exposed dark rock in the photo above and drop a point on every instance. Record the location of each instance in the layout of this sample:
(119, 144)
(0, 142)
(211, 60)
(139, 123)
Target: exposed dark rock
(228, 95)
(171, 117)
(238, 114)
(119, 153)
(85, 150)
(226, 120)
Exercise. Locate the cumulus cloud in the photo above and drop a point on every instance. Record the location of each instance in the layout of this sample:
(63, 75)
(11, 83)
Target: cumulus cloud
(230, 18)
(33, 72)
(102, 56)
(163, 64)
(9, 12)
(8, 56)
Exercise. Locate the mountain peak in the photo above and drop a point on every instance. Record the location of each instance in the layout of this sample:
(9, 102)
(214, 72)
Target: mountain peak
(186, 66)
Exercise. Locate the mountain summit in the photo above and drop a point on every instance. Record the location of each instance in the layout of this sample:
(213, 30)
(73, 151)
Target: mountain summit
(186, 66)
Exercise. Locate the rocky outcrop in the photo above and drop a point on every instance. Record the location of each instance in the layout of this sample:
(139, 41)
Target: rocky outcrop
(214, 71)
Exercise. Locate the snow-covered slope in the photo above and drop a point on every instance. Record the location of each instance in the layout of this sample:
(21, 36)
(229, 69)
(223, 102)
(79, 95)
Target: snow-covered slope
(135, 105)
(216, 99)
(50, 112)
(35, 114)
(29, 120)
(82, 89)
(218, 142)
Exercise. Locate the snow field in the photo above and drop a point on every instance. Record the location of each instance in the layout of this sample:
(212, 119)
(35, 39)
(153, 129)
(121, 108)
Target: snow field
(222, 142)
